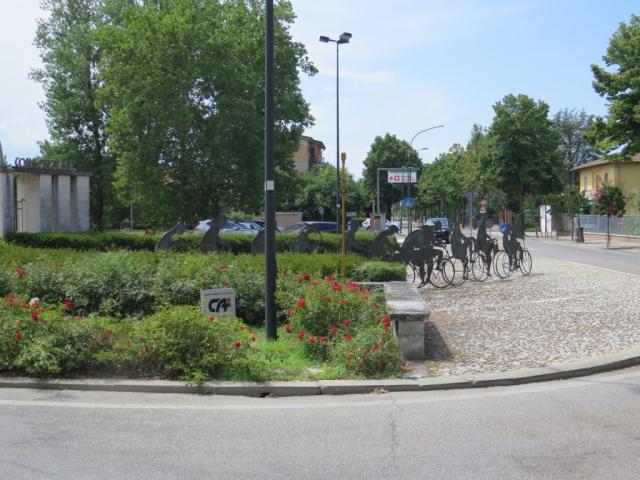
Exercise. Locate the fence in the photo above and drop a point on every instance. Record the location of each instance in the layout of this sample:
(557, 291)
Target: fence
(627, 225)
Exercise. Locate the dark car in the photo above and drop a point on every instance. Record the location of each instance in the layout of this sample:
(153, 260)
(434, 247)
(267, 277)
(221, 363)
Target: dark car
(322, 227)
(443, 231)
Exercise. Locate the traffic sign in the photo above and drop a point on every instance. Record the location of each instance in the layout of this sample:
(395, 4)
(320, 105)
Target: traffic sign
(408, 202)
(402, 175)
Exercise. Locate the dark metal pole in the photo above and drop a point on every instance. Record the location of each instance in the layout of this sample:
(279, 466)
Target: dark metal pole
(378, 190)
(338, 136)
(269, 186)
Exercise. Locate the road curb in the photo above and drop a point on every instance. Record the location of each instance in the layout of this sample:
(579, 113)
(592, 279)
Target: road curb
(561, 371)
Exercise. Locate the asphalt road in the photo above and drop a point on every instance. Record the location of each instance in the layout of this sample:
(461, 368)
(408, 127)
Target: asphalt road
(577, 429)
(622, 258)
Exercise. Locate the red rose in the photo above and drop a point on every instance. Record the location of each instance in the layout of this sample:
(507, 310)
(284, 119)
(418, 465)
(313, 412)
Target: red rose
(108, 332)
(333, 330)
(346, 323)
(301, 303)
(375, 347)
(336, 287)
(348, 337)
(353, 286)
(300, 335)
(312, 340)
(21, 272)
(342, 301)
(212, 318)
(237, 344)
(18, 335)
(253, 338)
(34, 316)
(287, 328)
(322, 339)
(330, 278)
(68, 304)
(223, 266)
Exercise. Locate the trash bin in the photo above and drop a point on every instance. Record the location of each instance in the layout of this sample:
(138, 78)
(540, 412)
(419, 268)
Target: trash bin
(580, 235)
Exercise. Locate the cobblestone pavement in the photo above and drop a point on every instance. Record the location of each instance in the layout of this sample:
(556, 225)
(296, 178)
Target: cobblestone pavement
(561, 312)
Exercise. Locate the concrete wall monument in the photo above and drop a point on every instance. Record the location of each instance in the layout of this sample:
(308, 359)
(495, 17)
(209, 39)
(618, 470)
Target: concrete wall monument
(37, 195)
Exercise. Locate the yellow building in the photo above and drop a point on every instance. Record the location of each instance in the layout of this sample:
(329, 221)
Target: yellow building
(626, 176)
(309, 153)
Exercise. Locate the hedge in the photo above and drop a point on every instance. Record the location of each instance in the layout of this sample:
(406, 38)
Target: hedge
(126, 283)
(234, 242)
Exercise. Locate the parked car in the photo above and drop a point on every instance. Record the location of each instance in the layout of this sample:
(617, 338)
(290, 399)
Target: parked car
(322, 227)
(233, 226)
(443, 231)
(367, 224)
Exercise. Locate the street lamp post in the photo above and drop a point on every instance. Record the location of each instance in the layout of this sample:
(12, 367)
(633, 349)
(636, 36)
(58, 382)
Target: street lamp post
(410, 146)
(343, 38)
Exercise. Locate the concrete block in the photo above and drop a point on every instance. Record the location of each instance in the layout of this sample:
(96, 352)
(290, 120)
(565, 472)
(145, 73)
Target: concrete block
(62, 203)
(256, 389)
(46, 203)
(7, 206)
(352, 387)
(82, 203)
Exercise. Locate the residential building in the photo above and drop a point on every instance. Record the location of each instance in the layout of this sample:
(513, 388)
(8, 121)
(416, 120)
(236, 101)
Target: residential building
(309, 153)
(626, 176)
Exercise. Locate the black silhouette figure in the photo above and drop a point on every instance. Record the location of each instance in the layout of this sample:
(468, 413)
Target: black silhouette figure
(211, 242)
(485, 245)
(165, 241)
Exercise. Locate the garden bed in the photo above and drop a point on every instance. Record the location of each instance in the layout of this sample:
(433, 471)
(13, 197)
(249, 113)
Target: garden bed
(135, 315)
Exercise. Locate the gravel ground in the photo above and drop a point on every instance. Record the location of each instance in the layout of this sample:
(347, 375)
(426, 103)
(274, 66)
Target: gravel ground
(561, 312)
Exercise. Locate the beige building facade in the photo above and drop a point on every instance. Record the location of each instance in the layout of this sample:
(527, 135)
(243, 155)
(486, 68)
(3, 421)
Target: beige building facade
(594, 175)
(310, 153)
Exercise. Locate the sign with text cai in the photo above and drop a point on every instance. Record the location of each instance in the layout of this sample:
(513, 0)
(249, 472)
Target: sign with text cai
(402, 175)
(218, 301)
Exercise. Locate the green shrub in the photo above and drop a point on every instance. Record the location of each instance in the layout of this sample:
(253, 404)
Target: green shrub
(51, 342)
(181, 342)
(5, 282)
(188, 242)
(342, 323)
(376, 271)
(117, 283)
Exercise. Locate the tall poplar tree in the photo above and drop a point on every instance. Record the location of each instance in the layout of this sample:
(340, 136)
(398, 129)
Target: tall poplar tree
(70, 56)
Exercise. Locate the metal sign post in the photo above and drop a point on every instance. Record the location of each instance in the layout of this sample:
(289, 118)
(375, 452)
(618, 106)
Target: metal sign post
(344, 215)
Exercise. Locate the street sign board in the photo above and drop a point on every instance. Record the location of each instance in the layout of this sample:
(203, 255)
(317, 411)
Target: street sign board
(408, 202)
(218, 301)
(402, 175)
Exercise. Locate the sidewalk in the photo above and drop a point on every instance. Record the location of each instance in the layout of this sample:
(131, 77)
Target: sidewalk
(562, 312)
(599, 243)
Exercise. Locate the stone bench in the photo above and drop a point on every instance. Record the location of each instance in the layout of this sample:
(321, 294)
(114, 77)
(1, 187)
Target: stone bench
(408, 312)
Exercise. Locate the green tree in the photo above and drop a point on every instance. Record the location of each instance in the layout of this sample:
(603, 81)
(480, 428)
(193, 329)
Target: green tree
(184, 85)
(620, 85)
(610, 201)
(525, 158)
(572, 126)
(387, 152)
(70, 55)
(318, 189)
(442, 184)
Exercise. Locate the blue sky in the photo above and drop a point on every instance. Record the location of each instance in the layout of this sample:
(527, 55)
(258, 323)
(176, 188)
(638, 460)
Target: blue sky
(411, 64)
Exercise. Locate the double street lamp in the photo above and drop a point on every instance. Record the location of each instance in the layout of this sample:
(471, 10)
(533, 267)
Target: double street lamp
(344, 38)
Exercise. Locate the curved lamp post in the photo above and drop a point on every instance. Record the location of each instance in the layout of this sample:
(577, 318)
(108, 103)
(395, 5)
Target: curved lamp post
(343, 38)
(410, 146)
